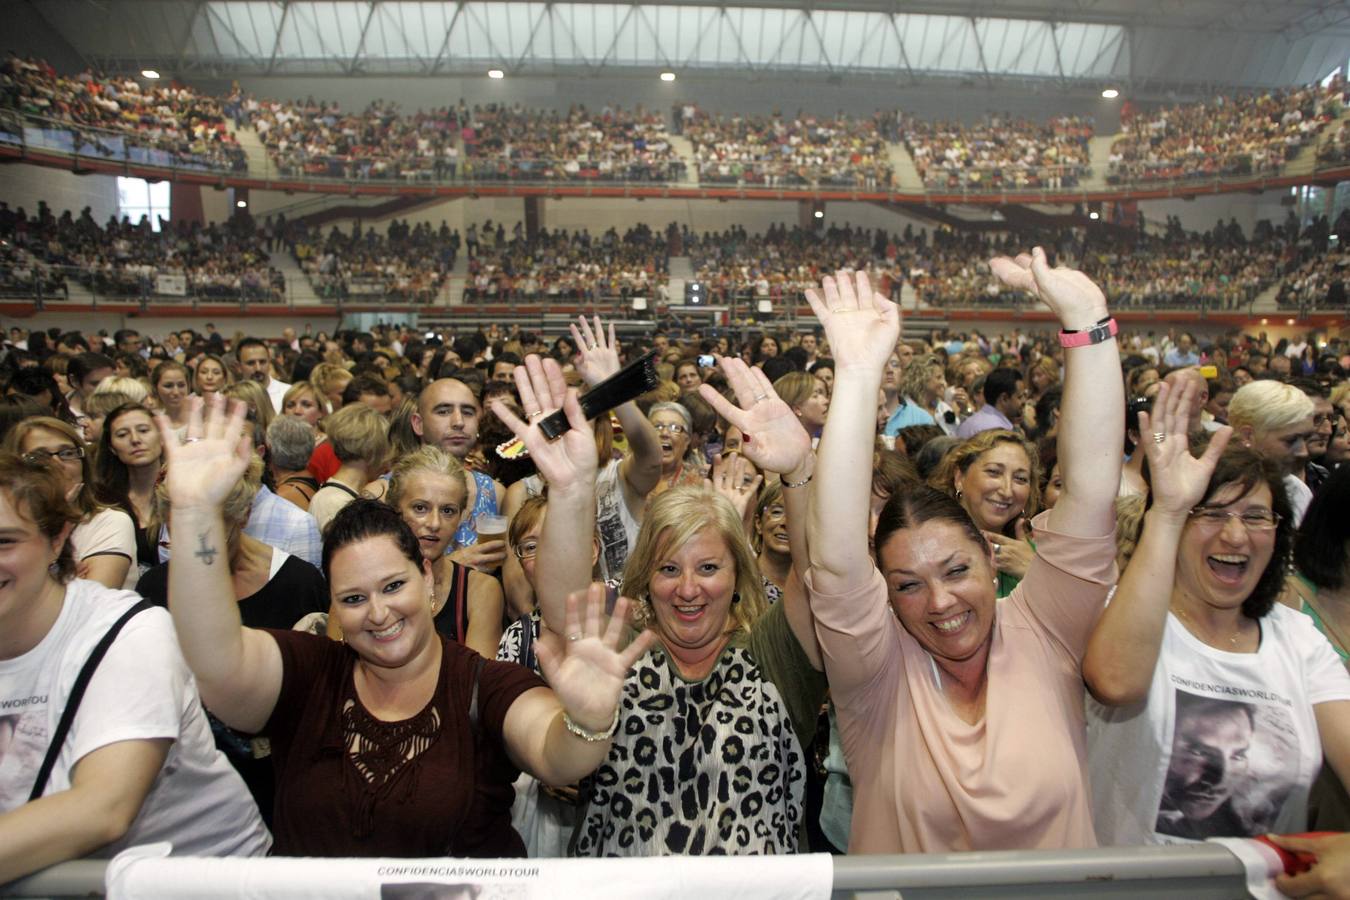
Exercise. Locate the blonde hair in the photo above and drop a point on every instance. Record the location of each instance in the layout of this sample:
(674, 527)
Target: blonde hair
(964, 455)
(135, 389)
(425, 459)
(795, 388)
(251, 393)
(915, 376)
(326, 377)
(769, 494)
(672, 520)
(295, 390)
(1268, 406)
(358, 434)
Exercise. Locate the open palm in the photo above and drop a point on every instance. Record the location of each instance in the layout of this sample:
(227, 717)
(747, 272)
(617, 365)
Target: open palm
(201, 472)
(586, 670)
(861, 325)
(775, 440)
(1178, 479)
(572, 457)
(597, 354)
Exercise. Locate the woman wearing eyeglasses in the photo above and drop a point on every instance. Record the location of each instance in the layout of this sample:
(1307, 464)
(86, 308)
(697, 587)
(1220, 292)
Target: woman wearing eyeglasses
(104, 542)
(1216, 703)
(675, 427)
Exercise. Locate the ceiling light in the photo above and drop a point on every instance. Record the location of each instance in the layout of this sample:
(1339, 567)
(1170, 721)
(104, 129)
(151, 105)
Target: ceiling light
(1094, 215)
(496, 73)
(1110, 94)
(149, 73)
(820, 214)
(667, 76)
(242, 204)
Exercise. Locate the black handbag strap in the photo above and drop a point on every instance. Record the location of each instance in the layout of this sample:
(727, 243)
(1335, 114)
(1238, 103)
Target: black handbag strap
(76, 695)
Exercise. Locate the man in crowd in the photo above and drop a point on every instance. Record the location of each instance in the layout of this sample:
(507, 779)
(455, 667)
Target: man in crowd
(1005, 395)
(255, 360)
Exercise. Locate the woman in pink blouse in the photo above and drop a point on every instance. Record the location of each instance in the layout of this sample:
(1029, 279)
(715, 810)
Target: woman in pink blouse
(962, 716)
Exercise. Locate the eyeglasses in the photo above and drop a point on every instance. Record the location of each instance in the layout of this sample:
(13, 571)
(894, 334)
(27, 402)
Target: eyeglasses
(526, 549)
(1252, 519)
(65, 454)
(672, 427)
(1320, 420)
(775, 512)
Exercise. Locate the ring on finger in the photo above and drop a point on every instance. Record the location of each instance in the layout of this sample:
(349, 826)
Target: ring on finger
(191, 440)
(997, 548)
(1159, 437)
(535, 415)
(574, 637)
(759, 397)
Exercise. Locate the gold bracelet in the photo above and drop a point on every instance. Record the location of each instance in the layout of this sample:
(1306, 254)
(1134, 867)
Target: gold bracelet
(592, 737)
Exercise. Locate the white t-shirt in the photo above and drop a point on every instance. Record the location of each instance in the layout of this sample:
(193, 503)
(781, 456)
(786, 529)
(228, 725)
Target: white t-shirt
(1247, 748)
(614, 521)
(109, 533)
(142, 690)
(1300, 495)
(276, 392)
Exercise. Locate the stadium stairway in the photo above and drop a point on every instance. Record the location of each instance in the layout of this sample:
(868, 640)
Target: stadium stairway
(1265, 304)
(298, 289)
(452, 294)
(902, 164)
(252, 146)
(685, 148)
(1099, 157)
(1305, 160)
(680, 267)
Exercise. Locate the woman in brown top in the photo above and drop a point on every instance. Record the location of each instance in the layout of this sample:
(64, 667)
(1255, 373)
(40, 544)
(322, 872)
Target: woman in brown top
(397, 742)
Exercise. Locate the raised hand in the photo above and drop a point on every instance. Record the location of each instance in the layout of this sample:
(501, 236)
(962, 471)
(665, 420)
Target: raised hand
(1179, 480)
(862, 326)
(775, 440)
(597, 357)
(729, 479)
(200, 472)
(571, 459)
(584, 666)
(1073, 297)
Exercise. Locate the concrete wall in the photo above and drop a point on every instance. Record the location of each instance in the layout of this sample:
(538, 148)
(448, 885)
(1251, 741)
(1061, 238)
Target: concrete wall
(24, 185)
(1201, 213)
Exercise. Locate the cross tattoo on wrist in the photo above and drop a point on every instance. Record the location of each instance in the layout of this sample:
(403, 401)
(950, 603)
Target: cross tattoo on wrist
(205, 554)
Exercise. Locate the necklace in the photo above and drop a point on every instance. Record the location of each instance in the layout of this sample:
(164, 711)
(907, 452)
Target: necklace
(1191, 625)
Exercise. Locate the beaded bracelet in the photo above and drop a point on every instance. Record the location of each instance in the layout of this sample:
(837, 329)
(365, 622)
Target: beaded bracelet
(592, 737)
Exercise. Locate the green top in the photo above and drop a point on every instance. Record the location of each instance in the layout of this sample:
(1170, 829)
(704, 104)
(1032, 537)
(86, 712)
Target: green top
(1305, 607)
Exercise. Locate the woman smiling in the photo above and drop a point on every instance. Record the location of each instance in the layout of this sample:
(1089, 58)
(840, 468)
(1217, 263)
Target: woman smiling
(396, 742)
(961, 716)
(1217, 703)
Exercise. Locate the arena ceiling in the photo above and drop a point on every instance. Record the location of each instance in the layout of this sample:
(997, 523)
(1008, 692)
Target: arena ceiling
(1139, 45)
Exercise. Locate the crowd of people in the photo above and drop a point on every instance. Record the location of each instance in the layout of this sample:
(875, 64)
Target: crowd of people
(562, 265)
(873, 570)
(408, 263)
(778, 151)
(1244, 134)
(317, 139)
(121, 117)
(511, 143)
(1000, 153)
(41, 253)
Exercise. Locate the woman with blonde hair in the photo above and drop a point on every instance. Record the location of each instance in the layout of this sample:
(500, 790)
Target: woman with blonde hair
(104, 542)
(211, 376)
(133, 388)
(330, 380)
(808, 397)
(995, 476)
(428, 489)
(924, 384)
(305, 401)
(360, 438)
(261, 411)
(694, 577)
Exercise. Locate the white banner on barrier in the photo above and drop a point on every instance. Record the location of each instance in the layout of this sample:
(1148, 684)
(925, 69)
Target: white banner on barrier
(148, 873)
(174, 285)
